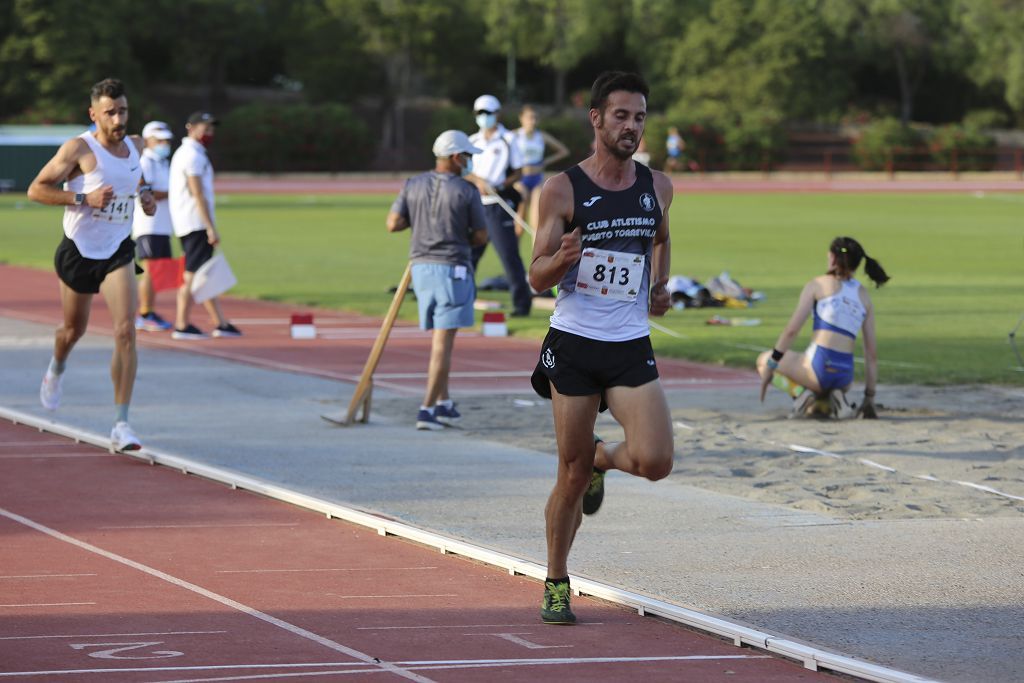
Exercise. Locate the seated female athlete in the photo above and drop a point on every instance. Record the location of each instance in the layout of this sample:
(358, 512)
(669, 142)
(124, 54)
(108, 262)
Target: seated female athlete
(841, 309)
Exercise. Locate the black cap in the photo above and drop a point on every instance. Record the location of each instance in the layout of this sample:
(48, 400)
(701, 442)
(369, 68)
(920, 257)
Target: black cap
(202, 117)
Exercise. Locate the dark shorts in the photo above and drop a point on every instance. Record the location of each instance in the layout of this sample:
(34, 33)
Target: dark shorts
(153, 246)
(579, 366)
(198, 250)
(84, 275)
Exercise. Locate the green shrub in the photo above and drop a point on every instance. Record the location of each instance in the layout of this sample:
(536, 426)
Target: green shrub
(754, 143)
(884, 140)
(970, 148)
(704, 143)
(278, 138)
(986, 118)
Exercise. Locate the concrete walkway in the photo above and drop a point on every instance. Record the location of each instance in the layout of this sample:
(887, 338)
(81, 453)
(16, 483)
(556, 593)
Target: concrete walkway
(937, 597)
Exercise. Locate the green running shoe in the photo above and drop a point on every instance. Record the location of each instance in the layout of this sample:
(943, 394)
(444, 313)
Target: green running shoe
(594, 495)
(555, 608)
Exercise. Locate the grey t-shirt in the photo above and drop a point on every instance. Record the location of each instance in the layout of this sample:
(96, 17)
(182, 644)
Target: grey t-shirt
(442, 210)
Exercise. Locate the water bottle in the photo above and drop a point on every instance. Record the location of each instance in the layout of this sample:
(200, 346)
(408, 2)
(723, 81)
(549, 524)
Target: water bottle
(787, 385)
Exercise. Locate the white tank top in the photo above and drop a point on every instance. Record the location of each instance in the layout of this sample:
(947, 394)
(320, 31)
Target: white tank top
(842, 312)
(98, 232)
(531, 147)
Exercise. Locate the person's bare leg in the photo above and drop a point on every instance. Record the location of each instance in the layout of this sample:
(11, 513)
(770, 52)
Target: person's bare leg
(146, 294)
(644, 415)
(119, 291)
(441, 344)
(76, 308)
(184, 308)
(574, 431)
(794, 365)
(212, 307)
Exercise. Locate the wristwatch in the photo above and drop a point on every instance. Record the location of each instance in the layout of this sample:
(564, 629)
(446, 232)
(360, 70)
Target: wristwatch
(79, 199)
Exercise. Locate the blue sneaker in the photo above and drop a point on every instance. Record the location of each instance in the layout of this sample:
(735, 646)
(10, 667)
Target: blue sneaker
(152, 322)
(446, 415)
(426, 420)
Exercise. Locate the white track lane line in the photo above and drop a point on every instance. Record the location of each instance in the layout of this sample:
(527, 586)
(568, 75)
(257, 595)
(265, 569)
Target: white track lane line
(228, 602)
(42, 576)
(200, 526)
(329, 569)
(480, 664)
(112, 635)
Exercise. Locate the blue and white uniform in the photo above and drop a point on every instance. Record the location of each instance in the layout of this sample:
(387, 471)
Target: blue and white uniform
(842, 313)
(531, 149)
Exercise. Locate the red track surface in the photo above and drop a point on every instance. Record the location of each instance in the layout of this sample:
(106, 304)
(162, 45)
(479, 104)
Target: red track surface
(113, 570)
(481, 364)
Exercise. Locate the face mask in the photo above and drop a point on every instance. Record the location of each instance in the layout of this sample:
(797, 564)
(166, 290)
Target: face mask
(162, 151)
(206, 140)
(486, 121)
(468, 168)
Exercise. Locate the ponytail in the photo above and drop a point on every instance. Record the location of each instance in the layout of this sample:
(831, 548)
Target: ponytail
(875, 271)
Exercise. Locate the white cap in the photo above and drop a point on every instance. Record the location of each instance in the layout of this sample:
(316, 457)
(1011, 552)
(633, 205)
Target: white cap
(158, 130)
(453, 142)
(487, 103)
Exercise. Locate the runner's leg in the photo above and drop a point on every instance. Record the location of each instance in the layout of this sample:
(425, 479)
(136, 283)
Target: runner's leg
(574, 431)
(76, 308)
(644, 415)
(184, 310)
(212, 307)
(794, 365)
(119, 291)
(146, 294)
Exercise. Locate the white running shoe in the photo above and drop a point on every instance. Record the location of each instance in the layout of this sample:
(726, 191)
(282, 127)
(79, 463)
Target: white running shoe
(49, 391)
(122, 438)
(838, 406)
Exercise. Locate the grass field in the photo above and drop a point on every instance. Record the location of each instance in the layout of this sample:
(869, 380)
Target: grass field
(957, 263)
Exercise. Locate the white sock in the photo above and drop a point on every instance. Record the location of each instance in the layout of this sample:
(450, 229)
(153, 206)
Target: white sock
(429, 410)
(447, 403)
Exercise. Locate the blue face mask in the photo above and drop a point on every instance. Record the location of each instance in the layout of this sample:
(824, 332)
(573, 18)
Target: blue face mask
(486, 121)
(468, 168)
(162, 151)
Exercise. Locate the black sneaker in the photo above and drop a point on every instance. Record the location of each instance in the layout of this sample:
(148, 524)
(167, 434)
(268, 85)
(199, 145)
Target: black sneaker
(190, 332)
(555, 608)
(227, 330)
(594, 495)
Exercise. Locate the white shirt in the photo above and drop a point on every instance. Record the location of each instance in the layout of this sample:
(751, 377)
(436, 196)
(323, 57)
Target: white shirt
(156, 171)
(189, 160)
(500, 153)
(99, 232)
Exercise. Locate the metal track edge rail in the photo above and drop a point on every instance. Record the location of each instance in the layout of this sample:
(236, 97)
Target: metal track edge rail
(811, 657)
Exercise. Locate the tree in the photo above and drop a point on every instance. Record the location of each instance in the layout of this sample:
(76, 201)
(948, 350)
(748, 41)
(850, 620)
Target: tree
(557, 34)
(996, 28)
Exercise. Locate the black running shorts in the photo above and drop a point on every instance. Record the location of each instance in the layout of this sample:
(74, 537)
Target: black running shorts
(84, 275)
(197, 248)
(579, 366)
(153, 246)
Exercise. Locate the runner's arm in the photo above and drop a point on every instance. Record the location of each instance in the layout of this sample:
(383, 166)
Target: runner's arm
(797, 320)
(57, 170)
(396, 222)
(554, 250)
(661, 254)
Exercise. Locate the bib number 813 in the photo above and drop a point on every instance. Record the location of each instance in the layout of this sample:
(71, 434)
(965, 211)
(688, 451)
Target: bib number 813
(600, 271)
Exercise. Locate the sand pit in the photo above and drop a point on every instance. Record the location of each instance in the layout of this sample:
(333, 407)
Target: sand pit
(918, 461)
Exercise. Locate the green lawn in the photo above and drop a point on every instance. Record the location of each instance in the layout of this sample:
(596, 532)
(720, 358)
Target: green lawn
(957, 263)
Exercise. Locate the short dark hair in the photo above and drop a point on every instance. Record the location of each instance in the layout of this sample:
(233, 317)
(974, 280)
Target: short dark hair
(610, 81)
(108, 87)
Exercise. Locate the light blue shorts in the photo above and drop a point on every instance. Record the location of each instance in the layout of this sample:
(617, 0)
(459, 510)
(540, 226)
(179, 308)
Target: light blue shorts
(834, 369)
(445, 303)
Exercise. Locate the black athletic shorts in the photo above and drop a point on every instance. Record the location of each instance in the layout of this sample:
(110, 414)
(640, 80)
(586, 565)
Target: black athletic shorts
(153, 246)
(84, 275)
(197, 248)
(579, 366)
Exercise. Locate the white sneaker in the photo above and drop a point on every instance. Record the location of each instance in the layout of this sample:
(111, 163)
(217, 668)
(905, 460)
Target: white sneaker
(49, 391)
(838, 406)
(122, 438)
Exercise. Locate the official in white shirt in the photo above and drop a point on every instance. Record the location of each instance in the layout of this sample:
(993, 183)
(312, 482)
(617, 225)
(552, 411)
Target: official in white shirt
(495, 171)
(152, 234)
(192, 212)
